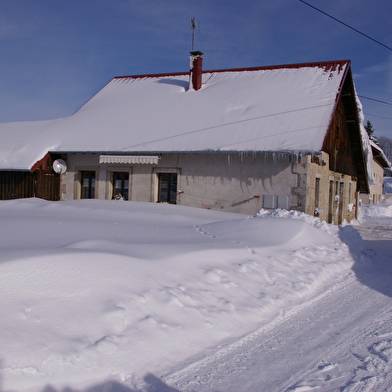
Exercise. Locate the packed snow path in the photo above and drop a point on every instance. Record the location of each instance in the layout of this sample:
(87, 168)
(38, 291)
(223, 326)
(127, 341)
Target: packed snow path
(340, 341)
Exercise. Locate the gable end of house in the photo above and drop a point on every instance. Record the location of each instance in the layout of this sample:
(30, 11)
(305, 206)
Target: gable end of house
(344, 140)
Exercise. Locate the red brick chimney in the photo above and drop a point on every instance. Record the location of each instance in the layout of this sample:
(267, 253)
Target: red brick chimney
(196, 70)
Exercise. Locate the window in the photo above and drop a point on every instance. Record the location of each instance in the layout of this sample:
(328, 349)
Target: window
(283, 202)
(276, 201)
(121, 185)
(330, 203)
(167, 188)
(317, 193)
(341, 198)
(317, 198)
(269, 201)
(88, 184)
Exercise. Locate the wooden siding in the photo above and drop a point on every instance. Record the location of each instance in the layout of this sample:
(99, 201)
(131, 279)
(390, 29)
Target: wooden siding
(18, 185)
(47, 185)
(343, 141)
(338, 144)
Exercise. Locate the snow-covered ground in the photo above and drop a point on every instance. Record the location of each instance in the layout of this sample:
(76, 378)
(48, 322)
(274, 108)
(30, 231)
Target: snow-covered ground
(123, 296)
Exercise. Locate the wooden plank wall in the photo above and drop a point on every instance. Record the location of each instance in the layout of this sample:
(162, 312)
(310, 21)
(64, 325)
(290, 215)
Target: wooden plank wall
(47, 185)
(338, 144)
(18, 185)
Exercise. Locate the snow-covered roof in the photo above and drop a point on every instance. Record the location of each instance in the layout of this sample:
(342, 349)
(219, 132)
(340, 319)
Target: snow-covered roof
(281, 108)
(379, 155)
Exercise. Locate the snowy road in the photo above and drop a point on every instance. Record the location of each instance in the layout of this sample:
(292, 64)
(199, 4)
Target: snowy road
(340, 341)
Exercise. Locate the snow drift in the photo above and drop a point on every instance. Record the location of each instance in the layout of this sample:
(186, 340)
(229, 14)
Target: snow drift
(95, 290)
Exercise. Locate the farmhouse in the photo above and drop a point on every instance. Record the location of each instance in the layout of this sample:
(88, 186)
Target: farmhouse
(237, 140)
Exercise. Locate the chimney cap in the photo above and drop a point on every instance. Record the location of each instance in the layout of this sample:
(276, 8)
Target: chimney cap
(196, 53)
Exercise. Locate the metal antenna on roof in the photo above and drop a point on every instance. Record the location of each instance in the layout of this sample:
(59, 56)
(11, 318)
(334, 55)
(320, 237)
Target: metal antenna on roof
(193, 28)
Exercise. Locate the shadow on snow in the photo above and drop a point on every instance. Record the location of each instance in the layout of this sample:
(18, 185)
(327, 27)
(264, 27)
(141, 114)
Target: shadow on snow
(153, 384)
(373, 260)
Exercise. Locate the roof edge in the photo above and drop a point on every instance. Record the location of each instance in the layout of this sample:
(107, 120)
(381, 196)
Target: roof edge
(320, 64)
(161, 152)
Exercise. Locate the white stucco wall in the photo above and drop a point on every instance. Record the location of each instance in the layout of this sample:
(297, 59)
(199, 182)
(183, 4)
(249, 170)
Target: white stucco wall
(242, 183)
(226, 182)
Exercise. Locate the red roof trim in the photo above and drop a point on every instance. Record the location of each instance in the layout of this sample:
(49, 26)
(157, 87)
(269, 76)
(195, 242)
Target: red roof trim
(328, 65)
(39, 163)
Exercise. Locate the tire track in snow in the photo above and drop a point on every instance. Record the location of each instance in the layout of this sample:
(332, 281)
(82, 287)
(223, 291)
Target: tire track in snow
(348, 352)
(234, 362)
(360, 363)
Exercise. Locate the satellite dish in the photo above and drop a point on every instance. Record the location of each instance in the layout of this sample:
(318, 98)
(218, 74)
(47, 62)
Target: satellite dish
(59, 166)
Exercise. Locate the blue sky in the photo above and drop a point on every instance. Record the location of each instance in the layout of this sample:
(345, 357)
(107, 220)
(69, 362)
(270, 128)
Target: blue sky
(55, 54)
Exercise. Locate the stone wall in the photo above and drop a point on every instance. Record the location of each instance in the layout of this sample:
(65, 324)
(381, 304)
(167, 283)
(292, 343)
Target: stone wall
(336, 199)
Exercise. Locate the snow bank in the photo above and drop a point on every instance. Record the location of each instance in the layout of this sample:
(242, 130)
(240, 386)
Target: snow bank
(95, 290)
(313, 221)
(374, 213)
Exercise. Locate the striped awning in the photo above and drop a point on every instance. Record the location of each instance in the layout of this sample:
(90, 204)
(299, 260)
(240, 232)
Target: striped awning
(129, 159)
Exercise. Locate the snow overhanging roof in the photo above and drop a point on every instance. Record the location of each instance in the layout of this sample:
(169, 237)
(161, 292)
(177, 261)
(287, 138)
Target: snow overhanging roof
(379, 156)
(279, 108)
